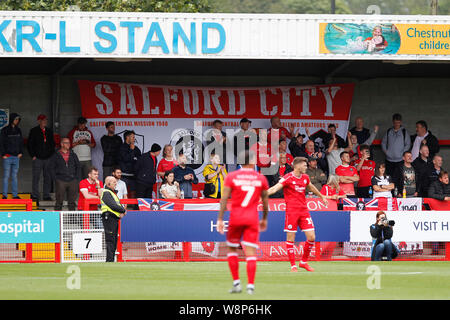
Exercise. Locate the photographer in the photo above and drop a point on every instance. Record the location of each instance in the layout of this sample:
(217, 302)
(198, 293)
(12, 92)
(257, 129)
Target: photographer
(381, 232)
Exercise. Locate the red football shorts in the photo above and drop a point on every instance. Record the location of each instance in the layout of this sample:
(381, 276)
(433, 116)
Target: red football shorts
(249, 233)
(301, 219)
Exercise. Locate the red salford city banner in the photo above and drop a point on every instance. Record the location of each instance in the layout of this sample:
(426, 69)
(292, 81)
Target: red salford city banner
(165, 114)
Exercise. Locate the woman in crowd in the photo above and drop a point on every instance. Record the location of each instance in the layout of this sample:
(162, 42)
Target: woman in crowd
(167, 162)
(170, 189)
(332, 190)
(382, 184)
(214, 174)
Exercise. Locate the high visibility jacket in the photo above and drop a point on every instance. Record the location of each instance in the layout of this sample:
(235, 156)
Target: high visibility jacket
(105, 207)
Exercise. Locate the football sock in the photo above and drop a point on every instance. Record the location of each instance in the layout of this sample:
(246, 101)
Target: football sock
(233, 264)
(306, 251)
(251, 270)
(290, 252)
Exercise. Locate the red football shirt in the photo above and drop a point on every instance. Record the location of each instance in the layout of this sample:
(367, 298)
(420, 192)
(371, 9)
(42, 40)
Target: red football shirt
(330, 191)
(348, 171)
(263, 152)
(91, 188)
(166, 165)
(289, 159)
(246, 188)
(366, 173)
(294, 189)
(278, 133)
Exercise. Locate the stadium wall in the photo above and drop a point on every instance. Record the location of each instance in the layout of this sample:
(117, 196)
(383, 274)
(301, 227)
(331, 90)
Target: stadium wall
(375, 100)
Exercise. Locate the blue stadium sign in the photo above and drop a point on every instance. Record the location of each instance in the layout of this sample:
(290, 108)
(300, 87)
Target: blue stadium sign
(29, 227)
(190, 226)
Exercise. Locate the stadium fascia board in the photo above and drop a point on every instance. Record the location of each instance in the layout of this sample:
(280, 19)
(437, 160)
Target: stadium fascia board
(74, 34)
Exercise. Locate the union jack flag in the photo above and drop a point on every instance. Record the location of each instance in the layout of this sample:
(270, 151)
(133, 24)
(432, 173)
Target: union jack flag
(369, 204)
(146, 204)
(353, 204)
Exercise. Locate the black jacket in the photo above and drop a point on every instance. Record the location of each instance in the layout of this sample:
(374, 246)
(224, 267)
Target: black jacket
(362, 135)
(109, 201)
(146, 169)
(36, 145)
(111, 149)
(59, 170)
(128, 158)
(11, 140)
(422, 172)
(438, 190)
(432, 143)
(327, 137)
(379, 234)
(296, 150)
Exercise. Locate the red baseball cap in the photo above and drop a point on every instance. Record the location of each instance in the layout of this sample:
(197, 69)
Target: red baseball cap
(42, 117)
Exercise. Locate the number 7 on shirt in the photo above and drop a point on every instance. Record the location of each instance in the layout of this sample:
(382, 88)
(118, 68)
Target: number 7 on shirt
(250, 191)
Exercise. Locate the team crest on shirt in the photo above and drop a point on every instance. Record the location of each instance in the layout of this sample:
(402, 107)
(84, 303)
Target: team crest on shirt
(290, 226)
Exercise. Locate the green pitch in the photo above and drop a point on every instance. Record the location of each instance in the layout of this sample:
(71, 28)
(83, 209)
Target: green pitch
(211, 281)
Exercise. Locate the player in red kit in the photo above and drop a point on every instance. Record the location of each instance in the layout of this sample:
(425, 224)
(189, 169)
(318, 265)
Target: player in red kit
(246, 187)
(294, 185)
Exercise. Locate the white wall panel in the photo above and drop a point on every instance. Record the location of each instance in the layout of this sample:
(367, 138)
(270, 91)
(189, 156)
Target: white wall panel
(248, 36)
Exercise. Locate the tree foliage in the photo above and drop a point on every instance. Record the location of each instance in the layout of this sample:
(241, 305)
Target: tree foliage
(108, 5)
(277, 6)
(395, 7)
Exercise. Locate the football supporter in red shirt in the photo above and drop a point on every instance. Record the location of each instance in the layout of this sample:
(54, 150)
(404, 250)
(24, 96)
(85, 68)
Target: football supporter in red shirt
(282, 148)
(366, 169)
(246, 187)
(332, 190)
(168, 161)
(279, 131)
(294, 186)
(262, 151)
(90, 188)
(348, 175)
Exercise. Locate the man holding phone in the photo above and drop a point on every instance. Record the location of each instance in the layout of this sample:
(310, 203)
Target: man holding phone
(366, 170)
